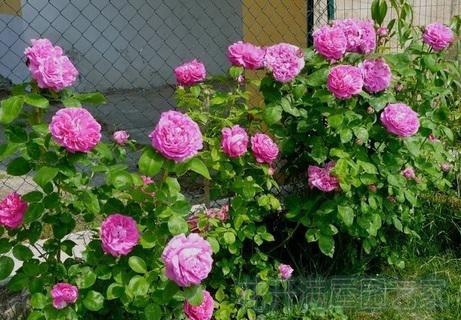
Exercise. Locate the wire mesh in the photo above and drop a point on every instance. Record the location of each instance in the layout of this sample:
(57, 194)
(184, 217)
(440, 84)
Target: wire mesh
(128, 48)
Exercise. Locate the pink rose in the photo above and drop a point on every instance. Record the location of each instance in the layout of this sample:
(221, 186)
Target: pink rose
(187, 260)
(445, 167)
(147, 180)
(400, 119)
(409, 173)
(352, 31)
(176, 136)
(119, 235)
(345, 81)
(246, 55)
(376, 75)
(202, 312)
(121, 137)
(432, 138)
(219, 213)
(63, 294)
(12, 209)
(234, 141)
(264, 149)
(382, 32)
(190, 73)
(438, 36)
(75, 129)
(285, 61)
(322, 179)
(285, 271)
(368, 41)
(330, 42)
(49, 67)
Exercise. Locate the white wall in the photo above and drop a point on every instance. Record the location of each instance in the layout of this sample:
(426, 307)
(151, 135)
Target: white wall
(123, 44)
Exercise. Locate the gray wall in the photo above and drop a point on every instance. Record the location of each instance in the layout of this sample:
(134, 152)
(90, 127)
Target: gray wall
(124, 44)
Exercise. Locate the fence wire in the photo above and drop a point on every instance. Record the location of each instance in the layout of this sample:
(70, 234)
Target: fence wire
(128, 48)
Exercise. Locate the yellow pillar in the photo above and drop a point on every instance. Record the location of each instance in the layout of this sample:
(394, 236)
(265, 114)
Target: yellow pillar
(11, 7)
(267, 22)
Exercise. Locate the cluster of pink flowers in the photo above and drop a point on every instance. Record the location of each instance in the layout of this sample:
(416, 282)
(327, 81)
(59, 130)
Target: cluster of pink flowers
(75, 129)
(285, 61)
(246, 55)
(346, 81)
(187, 260)
(349, 35)
(119, 235)
(376, 74)
(234, 143)
(12, 210)
(63, 294)
(49, 67)
(322, 179)
(285, 271)
(121, 137)
(190, 73)
(438, 36)
(400, 119)
(176, 136)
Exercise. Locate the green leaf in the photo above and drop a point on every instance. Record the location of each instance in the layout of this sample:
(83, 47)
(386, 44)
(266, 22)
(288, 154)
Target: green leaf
(153, 312)
(10, 109)
(197, 165)
(150, 162)
(347, 215)
(335, 120)
(33, 212)
(38, 300)
(71, 103)
(273, 114)
(327, 245)
(114, 291)
(36, 315)
(18, 167)
(382, 12)
(194, 295)
(318, 78)
(137, 264)
(262, 288)
(22, 252)
(84, 277)
(94, 301)
(289, 108)
(235, 71)
(6, 267)
(91, 202)
(44, 175)
(94, 98)
(229, 237)
(36, 100)
(138, 286)
(177, 225)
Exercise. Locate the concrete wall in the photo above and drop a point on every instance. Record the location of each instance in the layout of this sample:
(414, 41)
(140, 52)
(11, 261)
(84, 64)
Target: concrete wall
(123, 44)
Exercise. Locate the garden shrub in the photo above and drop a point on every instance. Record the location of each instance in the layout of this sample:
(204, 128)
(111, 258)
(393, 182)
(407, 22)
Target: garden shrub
(353, 131)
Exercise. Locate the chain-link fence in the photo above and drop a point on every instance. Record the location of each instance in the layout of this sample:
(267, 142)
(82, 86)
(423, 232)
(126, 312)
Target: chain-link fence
(129, 48)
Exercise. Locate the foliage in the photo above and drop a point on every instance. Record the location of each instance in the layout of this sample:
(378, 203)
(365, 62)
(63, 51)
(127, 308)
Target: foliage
(374, 208)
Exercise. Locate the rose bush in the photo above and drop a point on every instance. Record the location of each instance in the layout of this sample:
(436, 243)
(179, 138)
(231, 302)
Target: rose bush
(353, 131)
